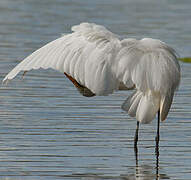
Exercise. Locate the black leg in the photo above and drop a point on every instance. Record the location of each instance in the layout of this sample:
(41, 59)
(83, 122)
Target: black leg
(136, 139)
(136, 135)
(157, 165)
(158, 135)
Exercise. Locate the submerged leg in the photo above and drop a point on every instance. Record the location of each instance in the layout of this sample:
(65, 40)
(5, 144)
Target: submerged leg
(158, 135)
(157, 147)
(157, 166)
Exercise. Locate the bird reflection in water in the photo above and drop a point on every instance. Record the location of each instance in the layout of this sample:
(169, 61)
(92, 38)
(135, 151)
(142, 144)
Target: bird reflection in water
(142, 172)
(145, 172)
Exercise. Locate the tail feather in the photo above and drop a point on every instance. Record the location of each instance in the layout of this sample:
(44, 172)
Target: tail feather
(131, 103)
(165, 104)
(143, 106)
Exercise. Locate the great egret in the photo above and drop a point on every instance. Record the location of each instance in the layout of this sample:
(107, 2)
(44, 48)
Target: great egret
(99, 63)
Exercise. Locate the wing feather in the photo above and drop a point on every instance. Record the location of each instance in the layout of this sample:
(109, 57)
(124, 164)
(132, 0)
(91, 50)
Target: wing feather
(87, 55)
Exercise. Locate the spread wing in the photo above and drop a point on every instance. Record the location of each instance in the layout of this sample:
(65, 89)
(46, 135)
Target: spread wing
(87, 55)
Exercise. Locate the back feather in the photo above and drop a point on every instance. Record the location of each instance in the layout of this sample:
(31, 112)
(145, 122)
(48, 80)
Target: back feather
(155, 71)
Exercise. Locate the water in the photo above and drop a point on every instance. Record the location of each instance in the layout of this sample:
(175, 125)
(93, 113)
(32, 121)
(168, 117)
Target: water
(48, 131)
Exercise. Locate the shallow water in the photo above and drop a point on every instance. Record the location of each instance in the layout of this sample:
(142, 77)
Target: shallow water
(48, 131)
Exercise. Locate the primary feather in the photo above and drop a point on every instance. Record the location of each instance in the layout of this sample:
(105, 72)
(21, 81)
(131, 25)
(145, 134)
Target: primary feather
(97, 60)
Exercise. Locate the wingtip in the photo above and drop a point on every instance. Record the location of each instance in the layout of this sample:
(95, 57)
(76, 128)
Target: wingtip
(5, 81)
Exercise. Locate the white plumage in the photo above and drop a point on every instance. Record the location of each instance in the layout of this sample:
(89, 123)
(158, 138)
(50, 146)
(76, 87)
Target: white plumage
(102, 63)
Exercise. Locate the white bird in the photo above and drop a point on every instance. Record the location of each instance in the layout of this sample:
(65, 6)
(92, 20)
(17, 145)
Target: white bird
(99, 63)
